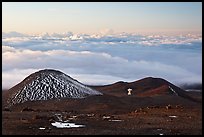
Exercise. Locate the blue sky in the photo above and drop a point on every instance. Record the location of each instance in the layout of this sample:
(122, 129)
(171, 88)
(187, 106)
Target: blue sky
(90, 17)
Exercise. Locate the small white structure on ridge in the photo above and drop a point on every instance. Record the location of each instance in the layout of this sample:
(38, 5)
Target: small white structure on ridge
(129, 91)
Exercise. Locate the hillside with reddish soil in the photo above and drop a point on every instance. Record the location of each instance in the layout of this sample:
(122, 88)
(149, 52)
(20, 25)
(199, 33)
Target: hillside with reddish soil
(147, 87)
(155, 107)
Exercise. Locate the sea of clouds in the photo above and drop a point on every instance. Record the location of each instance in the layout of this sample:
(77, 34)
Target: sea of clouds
(103, 59)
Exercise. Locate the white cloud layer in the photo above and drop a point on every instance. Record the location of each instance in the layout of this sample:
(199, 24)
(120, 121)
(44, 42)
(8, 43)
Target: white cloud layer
(103, 59)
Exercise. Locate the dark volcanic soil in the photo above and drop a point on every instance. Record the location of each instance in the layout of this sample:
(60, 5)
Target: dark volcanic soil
(152, 121)
(114, 113)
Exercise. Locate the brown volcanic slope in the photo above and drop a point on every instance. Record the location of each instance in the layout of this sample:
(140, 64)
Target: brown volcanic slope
(147, 87)
(145, 92)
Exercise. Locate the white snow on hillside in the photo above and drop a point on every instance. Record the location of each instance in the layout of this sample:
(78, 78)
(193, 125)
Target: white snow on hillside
(49, 84)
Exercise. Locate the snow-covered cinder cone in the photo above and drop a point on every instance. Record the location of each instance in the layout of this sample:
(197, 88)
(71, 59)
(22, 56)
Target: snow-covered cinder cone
(48, 84)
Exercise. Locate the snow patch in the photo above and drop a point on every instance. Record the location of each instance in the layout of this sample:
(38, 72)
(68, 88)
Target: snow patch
(65, 125)
(42, 128)
(173, 116)
(106, 117)
(173, 90)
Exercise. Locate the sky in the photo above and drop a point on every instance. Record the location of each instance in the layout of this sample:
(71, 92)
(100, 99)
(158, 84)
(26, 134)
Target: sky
(102, 43)
(94, 17)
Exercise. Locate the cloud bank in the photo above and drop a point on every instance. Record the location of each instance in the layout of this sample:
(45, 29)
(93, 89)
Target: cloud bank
(103, 58)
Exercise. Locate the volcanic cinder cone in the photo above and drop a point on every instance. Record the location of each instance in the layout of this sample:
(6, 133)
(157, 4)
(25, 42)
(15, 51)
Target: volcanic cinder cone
(146, 87)
(48, 84)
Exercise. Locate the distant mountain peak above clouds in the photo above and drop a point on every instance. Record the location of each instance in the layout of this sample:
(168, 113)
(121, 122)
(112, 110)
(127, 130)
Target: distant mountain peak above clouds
(48, 84)
(13, 34)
